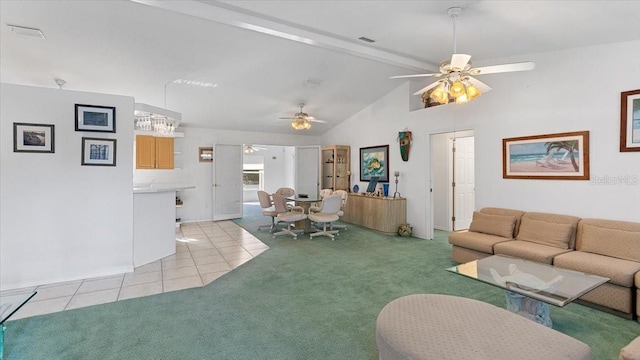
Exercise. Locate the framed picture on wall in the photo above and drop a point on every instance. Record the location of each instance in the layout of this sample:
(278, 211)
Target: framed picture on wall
(561, 156)
(34, 138)
(630, 121)
(95, 118)
(374, 161)
(98, 152)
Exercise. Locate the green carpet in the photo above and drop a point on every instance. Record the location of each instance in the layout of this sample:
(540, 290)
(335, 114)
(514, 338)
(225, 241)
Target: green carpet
(304, 299)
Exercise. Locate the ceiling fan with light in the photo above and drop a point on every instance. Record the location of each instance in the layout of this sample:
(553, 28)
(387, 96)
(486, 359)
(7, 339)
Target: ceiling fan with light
(250, 149)
(301, 120)
(456, 83)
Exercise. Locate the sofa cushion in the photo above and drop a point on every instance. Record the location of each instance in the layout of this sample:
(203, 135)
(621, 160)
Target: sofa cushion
(620, 272)
(637, 282)
(610, 242)
(545, 233)
(505, 212)
(528, 250)
(500, 225)
(475, 241)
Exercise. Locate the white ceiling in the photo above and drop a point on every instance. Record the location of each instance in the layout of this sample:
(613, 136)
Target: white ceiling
(259, 53)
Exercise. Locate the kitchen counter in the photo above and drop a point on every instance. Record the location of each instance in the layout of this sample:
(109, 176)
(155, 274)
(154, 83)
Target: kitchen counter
(154, 221)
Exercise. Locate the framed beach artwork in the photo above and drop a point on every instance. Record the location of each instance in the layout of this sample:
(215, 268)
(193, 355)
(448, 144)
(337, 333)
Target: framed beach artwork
(98, 152)
(34, 138)
(630, 121)
(562, 156)
(95, 118)
(374, 161)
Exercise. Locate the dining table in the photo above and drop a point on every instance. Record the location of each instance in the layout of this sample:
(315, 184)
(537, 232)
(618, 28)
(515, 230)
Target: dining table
(305, 202)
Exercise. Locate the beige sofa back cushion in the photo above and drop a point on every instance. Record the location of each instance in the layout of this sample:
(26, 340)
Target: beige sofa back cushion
(505, 212)
(548, 229)
(619, 239)
(499, 225)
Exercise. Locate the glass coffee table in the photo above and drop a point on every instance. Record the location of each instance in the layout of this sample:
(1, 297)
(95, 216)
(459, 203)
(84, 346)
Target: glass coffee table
(9, 305)
(530, 286)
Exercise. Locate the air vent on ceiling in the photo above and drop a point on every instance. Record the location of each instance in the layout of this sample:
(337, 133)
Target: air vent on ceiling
(366, 39)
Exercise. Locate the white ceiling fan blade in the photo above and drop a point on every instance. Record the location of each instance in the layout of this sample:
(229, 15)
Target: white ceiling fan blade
(286, 118)
(427, 88)
(414, 76)
(459, 61)
(494, 69)
(312, 119)
(479, 84)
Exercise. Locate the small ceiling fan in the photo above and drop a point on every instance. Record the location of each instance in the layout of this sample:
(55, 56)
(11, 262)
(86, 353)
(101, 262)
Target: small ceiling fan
(250, 149)
(456, 82)
(301, 120)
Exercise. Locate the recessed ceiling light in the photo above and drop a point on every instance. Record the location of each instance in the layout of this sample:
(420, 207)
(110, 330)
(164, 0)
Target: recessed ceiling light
(25, 31)
(366, 39)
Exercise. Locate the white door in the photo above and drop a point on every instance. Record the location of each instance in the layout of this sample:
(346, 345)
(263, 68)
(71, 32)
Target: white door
(307, 169)
(227, 182)
(464, 178)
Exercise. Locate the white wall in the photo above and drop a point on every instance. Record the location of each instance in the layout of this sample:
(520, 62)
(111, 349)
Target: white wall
(198, 201)
(571, 90)
(59, 220)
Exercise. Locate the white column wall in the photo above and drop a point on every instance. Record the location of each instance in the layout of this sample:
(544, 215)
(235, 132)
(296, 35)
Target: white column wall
(571, 90)
(60, 220)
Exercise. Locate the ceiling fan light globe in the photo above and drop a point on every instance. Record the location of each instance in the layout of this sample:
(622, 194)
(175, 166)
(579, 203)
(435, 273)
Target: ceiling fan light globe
(440, 95)
(473, 92)
(462, 99)
(457, 89)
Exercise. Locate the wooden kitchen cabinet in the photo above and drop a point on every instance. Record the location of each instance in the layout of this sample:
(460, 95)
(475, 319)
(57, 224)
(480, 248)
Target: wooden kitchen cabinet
(154, 152)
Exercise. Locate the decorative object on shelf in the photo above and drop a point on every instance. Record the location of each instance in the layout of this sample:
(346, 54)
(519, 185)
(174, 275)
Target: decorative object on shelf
(405, 230)
(34, 138)
(98, 152)
(456, 83)
(374, 161)
(95, 118)
(561, 156)
(205, 154)
(405, 140)
(396, 193)
(373, 182)
(630, 121)
(385, 189)
(356, 188)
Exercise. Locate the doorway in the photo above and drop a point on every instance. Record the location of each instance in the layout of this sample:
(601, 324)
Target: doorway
(453, 179)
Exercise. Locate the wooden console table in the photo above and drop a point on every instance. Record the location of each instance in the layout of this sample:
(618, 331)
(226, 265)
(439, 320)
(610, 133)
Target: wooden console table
(377, 213)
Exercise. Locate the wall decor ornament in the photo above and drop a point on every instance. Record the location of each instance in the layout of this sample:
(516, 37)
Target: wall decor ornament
(630, 121)
(98, 152)
(405, 140)
(95, 118)
(374, 161)
(33, 138)
(561, 156)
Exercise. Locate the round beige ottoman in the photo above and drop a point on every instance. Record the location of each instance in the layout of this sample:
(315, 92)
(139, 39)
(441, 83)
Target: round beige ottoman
(431, 326)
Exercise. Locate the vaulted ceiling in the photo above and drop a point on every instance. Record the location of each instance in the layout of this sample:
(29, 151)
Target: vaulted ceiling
(265, 57)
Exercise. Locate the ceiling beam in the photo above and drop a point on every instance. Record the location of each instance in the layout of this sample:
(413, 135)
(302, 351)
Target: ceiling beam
(221, 13)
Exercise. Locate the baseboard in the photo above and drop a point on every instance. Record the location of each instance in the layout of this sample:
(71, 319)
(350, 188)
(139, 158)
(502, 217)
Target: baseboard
(11, 285)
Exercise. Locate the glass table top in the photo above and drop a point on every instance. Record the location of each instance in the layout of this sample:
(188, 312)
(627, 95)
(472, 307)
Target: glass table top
(539, 281)
(9, 304)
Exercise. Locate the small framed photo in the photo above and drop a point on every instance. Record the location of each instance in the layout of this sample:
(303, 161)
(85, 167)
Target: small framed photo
(35, 138)
(98, 152)
(95, 118)
(630, 121)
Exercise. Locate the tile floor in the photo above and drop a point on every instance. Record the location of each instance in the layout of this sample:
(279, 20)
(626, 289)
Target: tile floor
(204, 252)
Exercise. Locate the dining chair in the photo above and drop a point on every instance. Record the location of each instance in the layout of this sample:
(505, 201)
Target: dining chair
(323, 194)
(327, 215)
(289, 216)
(267, 209)
(345, 196)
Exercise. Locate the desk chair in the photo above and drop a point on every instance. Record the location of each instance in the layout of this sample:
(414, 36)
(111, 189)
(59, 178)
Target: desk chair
(328, 214)
(286, 192)
(323, 194)
(289, 216)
